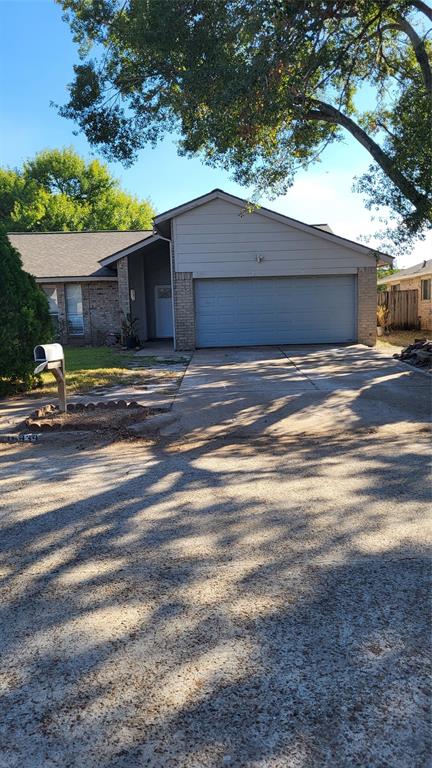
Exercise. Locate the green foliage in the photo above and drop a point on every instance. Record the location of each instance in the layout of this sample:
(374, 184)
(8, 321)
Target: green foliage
(409, 141)
(24, 319)
(59, 191)
(385, 272)
(262, 86)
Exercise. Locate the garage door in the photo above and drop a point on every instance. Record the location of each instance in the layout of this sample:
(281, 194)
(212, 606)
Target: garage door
(275, 310)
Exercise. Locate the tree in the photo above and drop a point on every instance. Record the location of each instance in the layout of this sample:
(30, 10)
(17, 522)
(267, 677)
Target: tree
(262, 86)
(59, 191)
(385, 272)
(24, 319)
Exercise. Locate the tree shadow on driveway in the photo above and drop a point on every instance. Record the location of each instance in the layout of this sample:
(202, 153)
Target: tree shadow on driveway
(224, 604)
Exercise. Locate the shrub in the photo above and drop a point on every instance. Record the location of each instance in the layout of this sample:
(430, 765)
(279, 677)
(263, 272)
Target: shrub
(24, 320)
(383, 315)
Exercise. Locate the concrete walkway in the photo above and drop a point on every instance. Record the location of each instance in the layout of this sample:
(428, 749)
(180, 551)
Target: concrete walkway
(282, 391)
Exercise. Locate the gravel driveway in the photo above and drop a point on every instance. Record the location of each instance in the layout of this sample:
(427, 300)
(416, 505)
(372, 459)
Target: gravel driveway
(259, 603)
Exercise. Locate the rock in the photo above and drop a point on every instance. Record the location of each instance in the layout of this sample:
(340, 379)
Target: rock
(133, 404)
(90, 406)
(122, 403)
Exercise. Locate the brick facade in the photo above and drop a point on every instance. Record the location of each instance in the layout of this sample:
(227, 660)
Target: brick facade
(103, 311)
(101, 317)
(184, 306)
(123, 287)
(184, 310)
(366, 305)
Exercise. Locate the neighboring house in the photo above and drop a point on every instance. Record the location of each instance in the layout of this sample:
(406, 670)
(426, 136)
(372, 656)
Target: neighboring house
(419, 278)
(212, 273)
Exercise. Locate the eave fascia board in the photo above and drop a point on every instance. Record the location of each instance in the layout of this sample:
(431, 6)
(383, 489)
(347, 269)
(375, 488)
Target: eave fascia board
(77, 279)
(130, 249)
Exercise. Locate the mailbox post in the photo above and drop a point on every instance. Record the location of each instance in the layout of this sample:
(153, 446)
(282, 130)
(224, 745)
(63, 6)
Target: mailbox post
(50, 357)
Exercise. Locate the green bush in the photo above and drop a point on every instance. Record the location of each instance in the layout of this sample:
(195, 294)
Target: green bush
(24, 320)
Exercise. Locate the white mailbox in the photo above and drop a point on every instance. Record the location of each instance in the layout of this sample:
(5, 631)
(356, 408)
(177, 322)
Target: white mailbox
(48, 353)
(50, 357)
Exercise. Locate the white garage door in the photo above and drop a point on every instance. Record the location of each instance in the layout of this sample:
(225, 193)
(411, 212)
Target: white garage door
(275, 310)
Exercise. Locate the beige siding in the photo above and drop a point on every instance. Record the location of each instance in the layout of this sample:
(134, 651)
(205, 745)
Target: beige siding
(219, 239)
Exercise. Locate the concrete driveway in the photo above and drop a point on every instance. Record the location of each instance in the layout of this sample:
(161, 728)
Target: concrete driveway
(201, 603)
(282, 391)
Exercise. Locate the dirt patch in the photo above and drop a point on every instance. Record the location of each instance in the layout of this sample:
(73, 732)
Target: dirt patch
(94, 418)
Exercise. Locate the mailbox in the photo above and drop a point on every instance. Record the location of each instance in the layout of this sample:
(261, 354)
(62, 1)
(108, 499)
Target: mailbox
(48, 353)
(50, 357)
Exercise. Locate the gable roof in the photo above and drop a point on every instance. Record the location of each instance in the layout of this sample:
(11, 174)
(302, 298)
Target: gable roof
(418, 270)
(319, 230)
(72, 254)
(149, 241)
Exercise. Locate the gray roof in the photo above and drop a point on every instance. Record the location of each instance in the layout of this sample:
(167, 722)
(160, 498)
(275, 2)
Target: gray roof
(71, 254)
(418, 270)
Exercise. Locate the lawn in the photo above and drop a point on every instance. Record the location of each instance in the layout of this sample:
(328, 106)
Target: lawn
(90, 367)
(396, 340)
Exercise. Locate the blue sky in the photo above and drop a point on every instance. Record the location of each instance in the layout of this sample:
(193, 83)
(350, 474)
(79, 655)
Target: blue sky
(36, 59)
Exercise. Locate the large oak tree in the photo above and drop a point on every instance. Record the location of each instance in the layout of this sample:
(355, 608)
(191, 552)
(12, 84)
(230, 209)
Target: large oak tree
(59, 190)
(262, 86)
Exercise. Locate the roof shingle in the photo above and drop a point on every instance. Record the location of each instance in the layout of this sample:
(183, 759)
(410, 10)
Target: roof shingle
(71, 254)
(418, 270)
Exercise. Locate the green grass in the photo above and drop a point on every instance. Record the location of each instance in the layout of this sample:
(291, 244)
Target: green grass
(90, 367)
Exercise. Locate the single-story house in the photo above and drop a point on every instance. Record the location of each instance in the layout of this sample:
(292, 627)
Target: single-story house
(212, 273)
(419, 278)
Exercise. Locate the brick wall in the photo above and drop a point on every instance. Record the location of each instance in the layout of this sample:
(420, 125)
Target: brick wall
(100, 312)
(366, 305)
(103, 311)
(184, 306)
(123, 287)
(184, 310)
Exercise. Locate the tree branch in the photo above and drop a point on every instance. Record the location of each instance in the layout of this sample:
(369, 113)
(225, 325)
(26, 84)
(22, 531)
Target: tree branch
(329, 114)
(419, 50)
(421, 6)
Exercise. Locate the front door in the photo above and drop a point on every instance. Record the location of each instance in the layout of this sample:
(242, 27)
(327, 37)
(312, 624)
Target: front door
(163, 311)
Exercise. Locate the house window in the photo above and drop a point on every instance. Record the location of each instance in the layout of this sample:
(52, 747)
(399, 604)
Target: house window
(396, 287)
(50, 292)
(74, 309)
(426, 290)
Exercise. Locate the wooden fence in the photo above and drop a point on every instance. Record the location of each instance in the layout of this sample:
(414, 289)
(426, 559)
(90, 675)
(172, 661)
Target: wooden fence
(403, 306)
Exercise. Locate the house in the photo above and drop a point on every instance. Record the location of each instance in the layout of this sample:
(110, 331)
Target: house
(82, 294)
(419, 278)
(212, 272)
